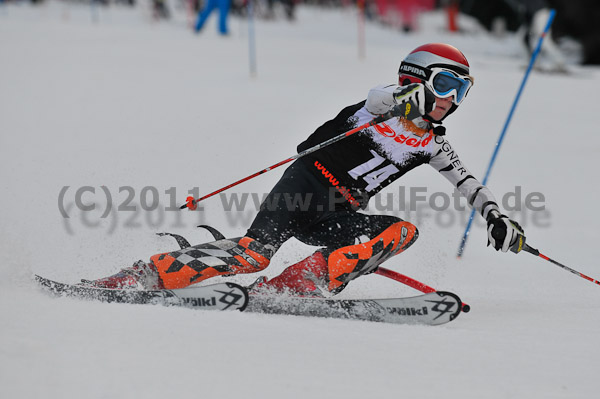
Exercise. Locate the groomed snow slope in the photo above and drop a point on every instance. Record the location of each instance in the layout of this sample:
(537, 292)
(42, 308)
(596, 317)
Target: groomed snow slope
(125, 101)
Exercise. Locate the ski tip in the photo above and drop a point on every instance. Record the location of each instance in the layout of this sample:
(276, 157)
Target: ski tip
(454, 301)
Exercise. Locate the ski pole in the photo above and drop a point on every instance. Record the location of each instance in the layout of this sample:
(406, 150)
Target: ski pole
(402, 110)
(411, 282)
(534, 55)
(535, 252)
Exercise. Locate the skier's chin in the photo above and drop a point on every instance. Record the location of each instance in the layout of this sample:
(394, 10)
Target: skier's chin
(438, 113)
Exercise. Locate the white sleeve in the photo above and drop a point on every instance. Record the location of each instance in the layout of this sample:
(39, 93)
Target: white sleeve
(381, 99)
(447, 162)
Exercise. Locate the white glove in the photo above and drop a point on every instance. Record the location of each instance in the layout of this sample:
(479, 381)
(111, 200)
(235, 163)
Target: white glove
(418, 94)
(505, 234)
(382, 98)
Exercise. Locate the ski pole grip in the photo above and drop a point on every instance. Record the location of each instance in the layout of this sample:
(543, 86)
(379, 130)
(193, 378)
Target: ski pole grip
(406, 110)
(397, 110)
(402, 110)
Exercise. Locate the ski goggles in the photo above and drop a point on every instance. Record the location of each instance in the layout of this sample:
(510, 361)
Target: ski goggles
(445, 83)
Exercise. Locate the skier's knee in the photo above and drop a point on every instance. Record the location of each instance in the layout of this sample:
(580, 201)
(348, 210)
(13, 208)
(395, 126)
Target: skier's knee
(349, 262)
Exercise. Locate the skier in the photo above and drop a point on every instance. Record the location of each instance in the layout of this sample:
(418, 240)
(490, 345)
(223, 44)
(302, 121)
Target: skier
(319, 195)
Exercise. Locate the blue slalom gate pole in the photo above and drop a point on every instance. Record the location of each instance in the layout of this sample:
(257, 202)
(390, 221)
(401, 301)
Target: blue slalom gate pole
(461, 248)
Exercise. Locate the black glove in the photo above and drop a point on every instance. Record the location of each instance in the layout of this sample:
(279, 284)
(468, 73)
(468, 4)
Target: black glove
(418, 94)
(505, 234)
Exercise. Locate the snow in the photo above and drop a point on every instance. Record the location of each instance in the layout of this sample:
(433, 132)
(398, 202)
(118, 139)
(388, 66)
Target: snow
(108, 97)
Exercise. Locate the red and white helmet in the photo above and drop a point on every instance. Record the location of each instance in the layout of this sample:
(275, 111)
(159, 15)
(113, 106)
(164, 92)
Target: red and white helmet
(443, 68)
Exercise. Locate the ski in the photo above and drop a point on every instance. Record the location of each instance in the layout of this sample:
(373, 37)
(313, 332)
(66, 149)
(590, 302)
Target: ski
(222, 296)
(431, 309)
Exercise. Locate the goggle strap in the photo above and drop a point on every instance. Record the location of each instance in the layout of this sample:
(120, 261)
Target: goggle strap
(415, 70)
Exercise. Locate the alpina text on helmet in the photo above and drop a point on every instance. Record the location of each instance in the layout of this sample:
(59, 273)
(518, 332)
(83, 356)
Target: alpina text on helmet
(413, 70)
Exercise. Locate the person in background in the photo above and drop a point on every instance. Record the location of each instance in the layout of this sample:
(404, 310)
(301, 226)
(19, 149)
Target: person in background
(210, 5)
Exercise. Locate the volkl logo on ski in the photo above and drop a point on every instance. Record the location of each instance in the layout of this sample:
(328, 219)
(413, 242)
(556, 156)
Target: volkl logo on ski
(229, 298)
(442, 307)
(408, 311)
(200, 302)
